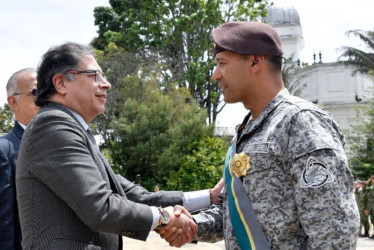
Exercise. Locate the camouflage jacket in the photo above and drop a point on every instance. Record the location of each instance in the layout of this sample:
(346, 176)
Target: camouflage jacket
(299, 182)
(363, 198)
(370, 198)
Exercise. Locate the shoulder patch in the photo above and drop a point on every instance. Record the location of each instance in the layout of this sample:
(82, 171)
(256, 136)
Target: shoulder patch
(315, 174)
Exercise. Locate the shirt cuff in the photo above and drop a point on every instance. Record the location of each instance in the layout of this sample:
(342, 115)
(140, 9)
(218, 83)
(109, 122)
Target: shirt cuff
(156, 217)
(196, 200)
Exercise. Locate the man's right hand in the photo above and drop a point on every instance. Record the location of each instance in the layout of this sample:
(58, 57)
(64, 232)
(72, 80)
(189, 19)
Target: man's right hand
(181, 229)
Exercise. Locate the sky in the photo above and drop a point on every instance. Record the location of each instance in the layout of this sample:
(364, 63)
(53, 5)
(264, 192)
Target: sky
(29, 27)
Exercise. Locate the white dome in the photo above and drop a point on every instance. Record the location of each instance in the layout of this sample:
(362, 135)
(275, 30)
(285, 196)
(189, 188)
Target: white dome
(282, 14)
(286, 21)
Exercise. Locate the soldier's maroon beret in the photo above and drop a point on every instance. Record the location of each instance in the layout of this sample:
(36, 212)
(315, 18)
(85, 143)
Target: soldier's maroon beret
(247, 38)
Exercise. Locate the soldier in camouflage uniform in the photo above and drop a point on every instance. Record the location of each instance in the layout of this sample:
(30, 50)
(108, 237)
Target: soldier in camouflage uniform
(370, 203)
(361, 200)
(364, 212)
(299, 182)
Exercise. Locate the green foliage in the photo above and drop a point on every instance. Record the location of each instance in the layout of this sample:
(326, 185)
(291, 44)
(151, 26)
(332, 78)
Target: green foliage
(146, 130)
(6, 119)
(200, 169)
(361, 143)
(153, 132)
(289, 76)
(362, 60)
(175, 34)
(117, 64)
(361, 135)
(157, 55)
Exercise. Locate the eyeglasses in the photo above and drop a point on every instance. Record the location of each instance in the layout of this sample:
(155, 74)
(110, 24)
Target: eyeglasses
(32, 92)
(99, 76)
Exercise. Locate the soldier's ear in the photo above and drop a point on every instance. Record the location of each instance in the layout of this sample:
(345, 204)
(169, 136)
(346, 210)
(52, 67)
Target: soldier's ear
(257, 62)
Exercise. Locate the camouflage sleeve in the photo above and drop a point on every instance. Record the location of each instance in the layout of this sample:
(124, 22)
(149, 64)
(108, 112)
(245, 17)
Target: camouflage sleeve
(210, 223)
(323, 183)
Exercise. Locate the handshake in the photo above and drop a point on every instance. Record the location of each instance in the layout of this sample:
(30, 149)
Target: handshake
(180, 229)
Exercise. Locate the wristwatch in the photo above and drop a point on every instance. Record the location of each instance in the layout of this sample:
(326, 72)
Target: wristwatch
(164, 218)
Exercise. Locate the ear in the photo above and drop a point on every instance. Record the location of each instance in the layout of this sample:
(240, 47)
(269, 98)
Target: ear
(12, 101)
(257, 62)
(59, 82)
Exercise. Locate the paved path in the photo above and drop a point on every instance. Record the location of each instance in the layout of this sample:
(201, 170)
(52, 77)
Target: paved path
(154, 242)
(365, 244)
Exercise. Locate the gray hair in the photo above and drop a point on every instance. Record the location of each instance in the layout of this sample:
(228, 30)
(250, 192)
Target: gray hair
(12, 86)
(57, 60)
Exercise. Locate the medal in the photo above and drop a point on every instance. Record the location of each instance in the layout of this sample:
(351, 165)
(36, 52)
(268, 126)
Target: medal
(239, 164)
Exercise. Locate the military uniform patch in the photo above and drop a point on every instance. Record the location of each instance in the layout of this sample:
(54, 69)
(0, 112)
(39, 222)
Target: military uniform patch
(315, 174)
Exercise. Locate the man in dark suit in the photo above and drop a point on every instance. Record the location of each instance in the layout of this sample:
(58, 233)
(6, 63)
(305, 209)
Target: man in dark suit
(21, 91)
(68, 196)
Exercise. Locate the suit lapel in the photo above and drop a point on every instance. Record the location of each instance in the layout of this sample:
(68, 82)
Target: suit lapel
(105, 169)
(102, 164)
(113, 180)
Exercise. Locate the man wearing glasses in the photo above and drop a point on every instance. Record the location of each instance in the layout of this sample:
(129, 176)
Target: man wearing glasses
(21, 91)
(68, 195)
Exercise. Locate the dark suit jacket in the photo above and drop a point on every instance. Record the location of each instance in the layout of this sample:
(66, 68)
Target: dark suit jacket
(10, 231)
(68, 196)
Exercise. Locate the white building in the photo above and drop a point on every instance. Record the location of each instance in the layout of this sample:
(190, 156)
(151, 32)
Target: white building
(286, 21)
(330, 85)
(336, 89)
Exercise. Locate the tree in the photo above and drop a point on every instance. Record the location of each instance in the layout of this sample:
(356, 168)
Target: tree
(152, 136)
(175, 34)
(202, 168)
(360, 137)
(6, 119)
(361, 60)
(117, 64)
(146, 131)
(290, 78)
(360, 148)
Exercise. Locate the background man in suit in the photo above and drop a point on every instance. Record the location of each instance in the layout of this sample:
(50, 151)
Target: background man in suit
(21, 91)
(69, 197)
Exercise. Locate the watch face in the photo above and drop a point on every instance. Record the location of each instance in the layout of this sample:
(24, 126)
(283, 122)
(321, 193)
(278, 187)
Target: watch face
(165, 217)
